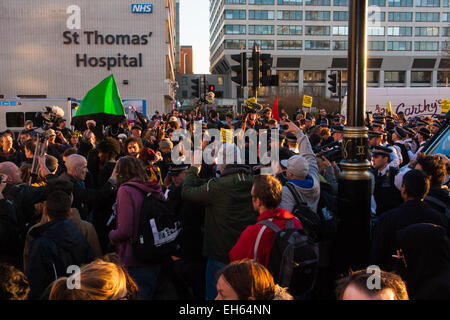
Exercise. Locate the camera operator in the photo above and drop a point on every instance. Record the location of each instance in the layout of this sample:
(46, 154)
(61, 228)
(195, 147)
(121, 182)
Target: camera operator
(65, 132)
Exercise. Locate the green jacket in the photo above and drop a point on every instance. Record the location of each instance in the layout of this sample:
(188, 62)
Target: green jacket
(229, 208)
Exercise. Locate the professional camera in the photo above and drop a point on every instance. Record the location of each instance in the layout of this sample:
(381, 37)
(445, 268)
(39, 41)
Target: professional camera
(49, 117)
(331, 151)
(333, 154)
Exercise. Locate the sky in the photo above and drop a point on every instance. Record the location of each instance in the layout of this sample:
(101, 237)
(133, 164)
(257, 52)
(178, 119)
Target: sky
(194, 31)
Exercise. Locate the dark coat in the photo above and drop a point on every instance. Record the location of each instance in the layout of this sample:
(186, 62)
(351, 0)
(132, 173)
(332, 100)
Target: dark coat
(11, 243)
(58, 244)
(87, 199)
(192, 217)
(426, 249)
(384, 235)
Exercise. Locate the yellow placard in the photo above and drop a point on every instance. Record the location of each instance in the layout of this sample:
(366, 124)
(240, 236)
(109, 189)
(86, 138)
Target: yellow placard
(445, 105)
(227, 135)
(389, 108)
(307, 101)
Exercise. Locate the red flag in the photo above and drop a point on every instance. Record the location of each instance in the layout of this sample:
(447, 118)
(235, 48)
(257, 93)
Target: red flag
(275, 114)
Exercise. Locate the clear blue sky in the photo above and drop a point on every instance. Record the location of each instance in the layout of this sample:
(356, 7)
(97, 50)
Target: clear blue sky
(194, 31)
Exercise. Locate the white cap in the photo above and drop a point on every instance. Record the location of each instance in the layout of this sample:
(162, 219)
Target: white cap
(298, 166)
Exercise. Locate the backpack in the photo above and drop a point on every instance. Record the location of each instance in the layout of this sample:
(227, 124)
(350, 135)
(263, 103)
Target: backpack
(157, 233)
(327, 210)
(310, 220)
(293, 260)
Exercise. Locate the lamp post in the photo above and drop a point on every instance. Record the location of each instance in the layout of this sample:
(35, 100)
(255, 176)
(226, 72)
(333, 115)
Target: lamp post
(352, 243)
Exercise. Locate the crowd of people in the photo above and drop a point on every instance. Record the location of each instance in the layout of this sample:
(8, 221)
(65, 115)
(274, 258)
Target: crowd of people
(82, 208)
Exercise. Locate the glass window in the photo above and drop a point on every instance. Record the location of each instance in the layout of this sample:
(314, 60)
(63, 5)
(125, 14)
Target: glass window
(289, 15)
(340, 45)
(220, 81)
(400, 3)
(427, 31)
(290, 2)
(343, 3)
(446, 17)
(373, 76)
(234, 44)
(314, 76)
(288, 76)
(261, 29)
(264, 44)
(317, 30)
(446, 3)
(340, 15)
(375, 31)
(400, 16)
(446, 32)
(376, 16)
(317, 15)
(261, 2)
(427, 16)
(394, 77)
(261, 15)
(378, 3)
(427, 3)
(340, 31)
(399, 31)
(235, 14)
(234, 29)
(445, 46)
(376, 46)
(443, 78)
(289, 30)
(235, 2)
(289, 44)
(426, 46)
(399, 46)
(317, 2)
(421, 76)
(15, 119)
(317, 44)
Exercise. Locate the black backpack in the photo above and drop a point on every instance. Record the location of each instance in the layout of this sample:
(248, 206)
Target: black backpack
(158, 230)
(312, 224)
(293, 260)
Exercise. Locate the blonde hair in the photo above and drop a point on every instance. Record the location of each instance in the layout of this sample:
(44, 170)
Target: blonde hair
(100, 280)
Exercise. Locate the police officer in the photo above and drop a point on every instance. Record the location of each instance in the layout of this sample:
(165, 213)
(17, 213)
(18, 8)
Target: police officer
(397, 137)
(386, 195)
(375, 139)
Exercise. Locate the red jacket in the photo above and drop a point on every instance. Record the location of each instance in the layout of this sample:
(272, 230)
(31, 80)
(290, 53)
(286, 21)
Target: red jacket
(244, 247)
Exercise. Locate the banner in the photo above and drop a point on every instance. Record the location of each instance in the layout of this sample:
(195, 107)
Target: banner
(307, 101)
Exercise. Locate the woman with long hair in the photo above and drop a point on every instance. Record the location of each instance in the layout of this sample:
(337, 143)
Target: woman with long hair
(133, 185)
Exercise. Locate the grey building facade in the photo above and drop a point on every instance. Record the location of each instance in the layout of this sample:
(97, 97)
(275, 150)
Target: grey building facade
(63, 48)
(408, 41)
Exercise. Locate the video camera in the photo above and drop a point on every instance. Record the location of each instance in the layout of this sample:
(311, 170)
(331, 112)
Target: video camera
(331, 151)
(49, 117)
(252, 106)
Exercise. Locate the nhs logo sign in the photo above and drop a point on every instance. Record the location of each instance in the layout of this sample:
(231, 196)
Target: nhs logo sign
(142, 8)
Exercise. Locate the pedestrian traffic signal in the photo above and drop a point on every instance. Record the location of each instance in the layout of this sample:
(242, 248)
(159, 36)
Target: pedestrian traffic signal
(240, 69)
(256, 65)
(211, 88)
(332, 82)
(196, 88)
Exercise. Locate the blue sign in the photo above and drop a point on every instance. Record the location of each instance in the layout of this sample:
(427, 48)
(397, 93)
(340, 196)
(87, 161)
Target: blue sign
(142, 8)
(8, 103)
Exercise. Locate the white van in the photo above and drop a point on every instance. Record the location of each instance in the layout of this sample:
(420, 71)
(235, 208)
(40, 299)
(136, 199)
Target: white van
(14, 112)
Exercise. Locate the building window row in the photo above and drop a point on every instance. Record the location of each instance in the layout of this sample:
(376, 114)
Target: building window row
(379, 3)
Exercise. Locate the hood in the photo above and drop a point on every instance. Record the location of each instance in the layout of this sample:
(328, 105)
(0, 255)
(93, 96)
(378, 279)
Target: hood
(427, 252)
(147, 187)
(64, 232)
(306, 184)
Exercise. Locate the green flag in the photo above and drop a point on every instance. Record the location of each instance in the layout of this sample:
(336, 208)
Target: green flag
(102, 104)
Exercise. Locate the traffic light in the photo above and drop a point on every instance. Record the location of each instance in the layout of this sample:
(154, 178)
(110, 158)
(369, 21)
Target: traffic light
(256, 59)
(240, 69)
(196, 88)
(266, 65)
(332, 82)
(211, 88)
